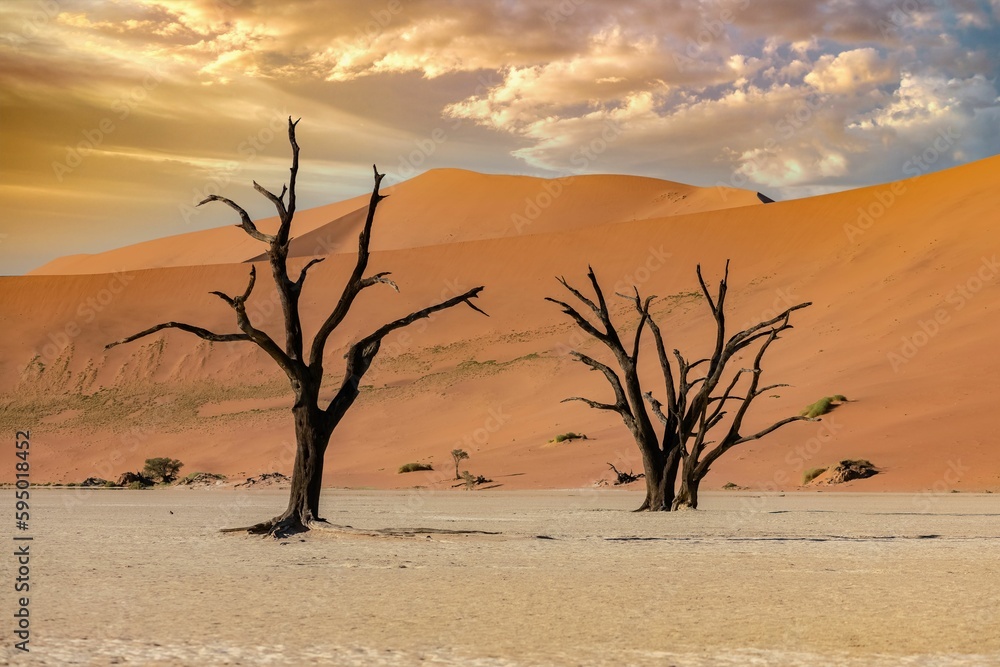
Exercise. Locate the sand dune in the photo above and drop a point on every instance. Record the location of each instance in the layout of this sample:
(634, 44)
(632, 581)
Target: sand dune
(440, 206)
(903, 277)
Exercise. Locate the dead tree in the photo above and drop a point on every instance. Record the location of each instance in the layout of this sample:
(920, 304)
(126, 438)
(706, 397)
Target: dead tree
(314, 423)
(624, 477)
(695, 405)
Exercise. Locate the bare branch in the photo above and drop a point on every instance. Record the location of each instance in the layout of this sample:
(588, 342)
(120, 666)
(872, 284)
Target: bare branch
(771, 387)
(225, 297)
(250, 284)
(302, 274)
(743, 338)
(361, 354)
(580, 320)
(380, 278)
(579, 295)
(294, 169)
(247, 224)
(197, 331)
(353, 286)
(771, 429)
(594, 404)
(279, 205)
(657, 408)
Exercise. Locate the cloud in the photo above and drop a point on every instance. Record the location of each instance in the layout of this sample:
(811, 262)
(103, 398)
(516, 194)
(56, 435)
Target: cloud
(850, 72)
(796, 97)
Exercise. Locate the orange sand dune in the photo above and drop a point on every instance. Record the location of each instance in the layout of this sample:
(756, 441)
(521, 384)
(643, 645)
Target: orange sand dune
(440, 206)
(903, 277)
(227, 244)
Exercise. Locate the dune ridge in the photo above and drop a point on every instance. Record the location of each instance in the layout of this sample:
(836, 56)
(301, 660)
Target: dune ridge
(439, 206)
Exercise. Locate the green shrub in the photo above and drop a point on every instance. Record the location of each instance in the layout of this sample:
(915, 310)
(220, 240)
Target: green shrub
(822, 406)
(163, 468)
(204, 476)
(811, 474)
(135, 486)
(110, 485)
(568, 436)
(414, 467)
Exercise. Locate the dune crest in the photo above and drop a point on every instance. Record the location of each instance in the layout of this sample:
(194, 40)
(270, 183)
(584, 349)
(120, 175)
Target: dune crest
(436, 207)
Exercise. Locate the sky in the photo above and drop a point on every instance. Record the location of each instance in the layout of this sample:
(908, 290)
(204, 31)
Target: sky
(116, 116)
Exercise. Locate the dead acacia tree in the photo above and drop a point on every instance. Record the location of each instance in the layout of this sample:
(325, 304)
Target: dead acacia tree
(314, 423)
(698, 393)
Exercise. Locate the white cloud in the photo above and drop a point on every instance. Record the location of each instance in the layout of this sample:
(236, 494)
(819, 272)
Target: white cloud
(850, 72)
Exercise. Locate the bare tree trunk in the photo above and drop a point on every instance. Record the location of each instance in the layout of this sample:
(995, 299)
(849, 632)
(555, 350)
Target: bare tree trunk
(671, 468)
(687, 495)
(652, 464)
(312, 436)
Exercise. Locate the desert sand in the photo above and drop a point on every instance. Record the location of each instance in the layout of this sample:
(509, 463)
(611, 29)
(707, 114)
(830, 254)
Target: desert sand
(572, 578)
(903, 278)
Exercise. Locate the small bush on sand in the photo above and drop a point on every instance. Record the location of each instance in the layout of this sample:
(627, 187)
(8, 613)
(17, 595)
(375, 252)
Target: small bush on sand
(135, 486)
(823, 406)
(811, 474)
(458, 455)
(472, 481)
(568, 436)
(414, 467)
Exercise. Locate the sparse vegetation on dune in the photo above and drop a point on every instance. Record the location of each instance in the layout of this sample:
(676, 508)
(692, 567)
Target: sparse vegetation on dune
(846, 471)
(414, 467)
(811, 474)
(822, 406)
(565, 437)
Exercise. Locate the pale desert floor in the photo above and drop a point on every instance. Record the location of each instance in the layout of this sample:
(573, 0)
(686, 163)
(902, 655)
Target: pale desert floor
(797, 579)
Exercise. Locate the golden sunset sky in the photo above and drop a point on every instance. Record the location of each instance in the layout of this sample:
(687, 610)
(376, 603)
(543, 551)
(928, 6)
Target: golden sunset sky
(115, 116)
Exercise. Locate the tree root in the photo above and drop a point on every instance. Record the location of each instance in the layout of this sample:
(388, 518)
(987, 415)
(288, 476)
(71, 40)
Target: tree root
(278, 527)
